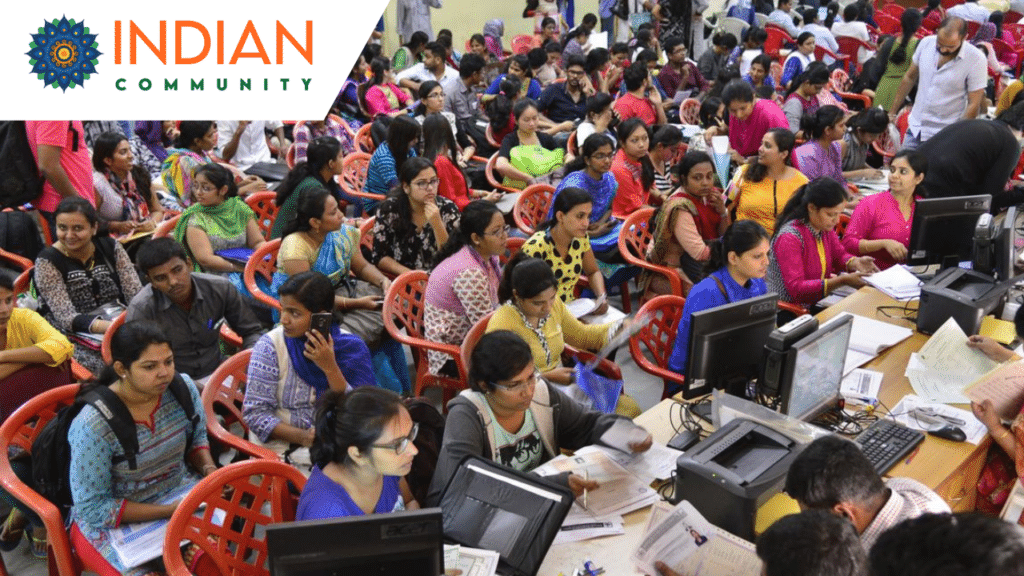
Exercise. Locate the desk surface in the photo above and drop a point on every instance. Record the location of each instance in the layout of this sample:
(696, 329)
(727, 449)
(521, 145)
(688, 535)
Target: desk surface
(949, 468)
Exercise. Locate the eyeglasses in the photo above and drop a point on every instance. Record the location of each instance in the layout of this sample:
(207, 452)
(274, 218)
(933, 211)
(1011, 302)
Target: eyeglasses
(427, 184)
(436, 95)
(518, 386)
(602, 157)
(575, 72)
(503, 231)
(401, 444)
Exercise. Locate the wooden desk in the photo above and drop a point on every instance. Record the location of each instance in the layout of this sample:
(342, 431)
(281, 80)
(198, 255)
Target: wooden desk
(951, 469)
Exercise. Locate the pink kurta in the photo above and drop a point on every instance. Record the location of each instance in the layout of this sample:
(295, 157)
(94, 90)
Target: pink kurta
(745, 136)
(878, 217)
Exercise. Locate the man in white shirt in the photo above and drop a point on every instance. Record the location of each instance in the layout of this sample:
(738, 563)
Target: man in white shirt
(822, 36)
(951, 76)
(784, 18)
(433, 67)
(244, 142)
(852, 28)
(969, 10)
(833, 474)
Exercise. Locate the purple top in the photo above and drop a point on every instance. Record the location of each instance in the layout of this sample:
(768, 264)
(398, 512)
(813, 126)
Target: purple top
(323, 498)
(814, 161)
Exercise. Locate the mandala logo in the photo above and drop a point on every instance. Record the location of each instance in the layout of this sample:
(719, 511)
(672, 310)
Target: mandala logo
(63, 53)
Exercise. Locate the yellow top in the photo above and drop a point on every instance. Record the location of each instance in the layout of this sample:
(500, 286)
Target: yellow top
(763, 201)
(559, 328)
(26, 328)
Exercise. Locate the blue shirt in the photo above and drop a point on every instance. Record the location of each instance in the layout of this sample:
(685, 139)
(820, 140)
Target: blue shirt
(381, 175)
(703, 296)
(556, 103)
(533, 92)
(324, 498)
(602, 191)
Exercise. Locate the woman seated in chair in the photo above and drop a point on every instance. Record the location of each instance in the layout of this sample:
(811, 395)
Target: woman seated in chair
(192, 147)
(563, 243)
(34, 358)
(808, 261)
(380, 95)
(764, 184)
(591, 171)
(822, 154)
(173, 455)
(518, 66)
(512, 415)
(317, 239)
(880, 226)
(125, 198)
(346, 103)
(599, 119)
(84, 281)
(362, 449)
(533, 310)
(293, 365)
(864, 128)
(387, 160)
(802, 98)
(413, 222)
(632, 168)
(527, 156)
(691, 218)
(440, 147)
(737, 265)
(798, 60)
(431, 95)
(664, 146)
(324, 158)
(219, 220)
(463, 286)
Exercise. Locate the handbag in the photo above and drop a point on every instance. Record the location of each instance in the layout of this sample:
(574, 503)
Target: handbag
(533, 160)
(603, 391)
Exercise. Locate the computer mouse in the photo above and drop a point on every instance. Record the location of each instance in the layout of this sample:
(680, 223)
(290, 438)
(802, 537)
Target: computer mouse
(949, 433)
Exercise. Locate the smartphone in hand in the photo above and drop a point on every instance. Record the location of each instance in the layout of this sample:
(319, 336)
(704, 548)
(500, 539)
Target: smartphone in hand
(321, 322)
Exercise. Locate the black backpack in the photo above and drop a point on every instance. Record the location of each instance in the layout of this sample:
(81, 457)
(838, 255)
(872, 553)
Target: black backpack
(20, 181)
(19, 234)
(428, 442)
(51, 454)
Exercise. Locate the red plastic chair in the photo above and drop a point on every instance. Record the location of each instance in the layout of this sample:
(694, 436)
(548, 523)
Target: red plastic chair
(19, 262)
(353, 176)
(972, 29)
(887, 24)
(820, 52)
(366, 233)
(109, 335)
(571, 145)
(489, 134)
(778, 38)
(634, 239)
(885, 146)
(1016, 30)
(658, 337)
(166, 228)
(522, 43)
(512, 246)
(20, 429)
(364, 142)
(261, 494)
(492, 177)
(532, 207)
(776, 72)
(263, 204)
(689, 111)
(259, 263)
(1012, 17)
(895, 10)
(23, 282)
(850, 47)
(222, 400)
(403, 319)
(289, 157)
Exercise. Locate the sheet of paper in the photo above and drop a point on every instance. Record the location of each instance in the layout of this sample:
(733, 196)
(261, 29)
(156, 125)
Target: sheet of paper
(622, 433)
(937, 387)
(688, 543)
(997, 329)
(872, 336)
(903, 413)
(657, 463)
(619, 492)
(897, 282)
(862, 386)
(507, 202)
(141, 542)
(613, 314)
(581, 525)
(946, 352)
(475, 561)
(1004, 386)
(855, 359)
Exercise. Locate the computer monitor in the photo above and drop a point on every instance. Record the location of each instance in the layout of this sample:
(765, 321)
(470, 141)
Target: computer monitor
(814, 371)
(727, 345)
(407, 543)
(943, 229)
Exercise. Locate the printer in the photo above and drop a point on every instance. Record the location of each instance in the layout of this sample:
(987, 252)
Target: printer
(733, 471)
(965, 295)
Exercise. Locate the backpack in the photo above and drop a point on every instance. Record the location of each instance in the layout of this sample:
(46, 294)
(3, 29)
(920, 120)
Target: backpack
(51, 453)
(20, 181)
(19, 234)
(428, 442)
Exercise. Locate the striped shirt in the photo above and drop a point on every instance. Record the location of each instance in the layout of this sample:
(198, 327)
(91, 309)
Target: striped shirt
(908, 499)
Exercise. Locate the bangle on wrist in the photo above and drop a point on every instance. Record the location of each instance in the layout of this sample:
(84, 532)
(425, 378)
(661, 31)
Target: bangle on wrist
(1006, 432)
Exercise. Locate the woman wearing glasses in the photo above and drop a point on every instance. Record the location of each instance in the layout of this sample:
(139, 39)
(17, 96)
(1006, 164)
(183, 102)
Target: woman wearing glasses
(413, 222)
(293, 365)
(361, 452)
(514, 417)
(463, 287)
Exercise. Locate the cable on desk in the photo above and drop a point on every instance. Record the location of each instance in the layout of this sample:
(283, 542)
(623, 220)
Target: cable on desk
(903, 312)
(688, 421)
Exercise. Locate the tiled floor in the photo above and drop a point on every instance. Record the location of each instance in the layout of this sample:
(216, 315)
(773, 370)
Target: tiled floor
(643, 387)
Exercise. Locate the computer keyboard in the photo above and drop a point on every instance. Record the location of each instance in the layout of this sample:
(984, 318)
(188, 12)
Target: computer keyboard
(886, 442)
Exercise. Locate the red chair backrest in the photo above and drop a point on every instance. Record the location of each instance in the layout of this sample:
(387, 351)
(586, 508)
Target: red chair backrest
(260, 263)
(512, 246)
(972, 29)
(109, 335)
(689, 111)
(472, 337)
(886, 23)
(366, 233)
(521, 44)
(407, 306)
(263, 204)
(532, 207)
(261, 494)
(222, 399)
(19, 262)
(637, 234)
(364, 142)
(572, 146)
(777, 38)
(166, 228)
(353, 174)
(657, 337)
(893, 9)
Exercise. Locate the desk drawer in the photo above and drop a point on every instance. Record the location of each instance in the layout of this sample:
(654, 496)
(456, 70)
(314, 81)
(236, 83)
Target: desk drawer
(960, 489)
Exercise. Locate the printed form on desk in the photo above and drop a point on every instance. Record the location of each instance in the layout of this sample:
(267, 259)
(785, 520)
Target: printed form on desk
(869, 338)
(686, 542)
(945, 365)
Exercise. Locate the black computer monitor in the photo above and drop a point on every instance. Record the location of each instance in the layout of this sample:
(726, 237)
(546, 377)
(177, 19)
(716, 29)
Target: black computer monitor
(814, 370)
(727, 345)
(943, 229)
(405, 543)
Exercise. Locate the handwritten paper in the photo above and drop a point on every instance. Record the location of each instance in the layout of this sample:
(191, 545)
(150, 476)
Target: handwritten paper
(947, 352)
(619, 491)
(1004, 386)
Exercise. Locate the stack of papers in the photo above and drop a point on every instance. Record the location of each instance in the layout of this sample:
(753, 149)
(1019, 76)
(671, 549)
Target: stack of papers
(1004, 386)
(583, 309)
(946, 365)
(868, 338)
(471, 561)
(686, 542)
(141, 542)
(896, 282)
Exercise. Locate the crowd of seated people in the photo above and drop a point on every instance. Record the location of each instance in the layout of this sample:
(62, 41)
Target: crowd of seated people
(611, 130)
